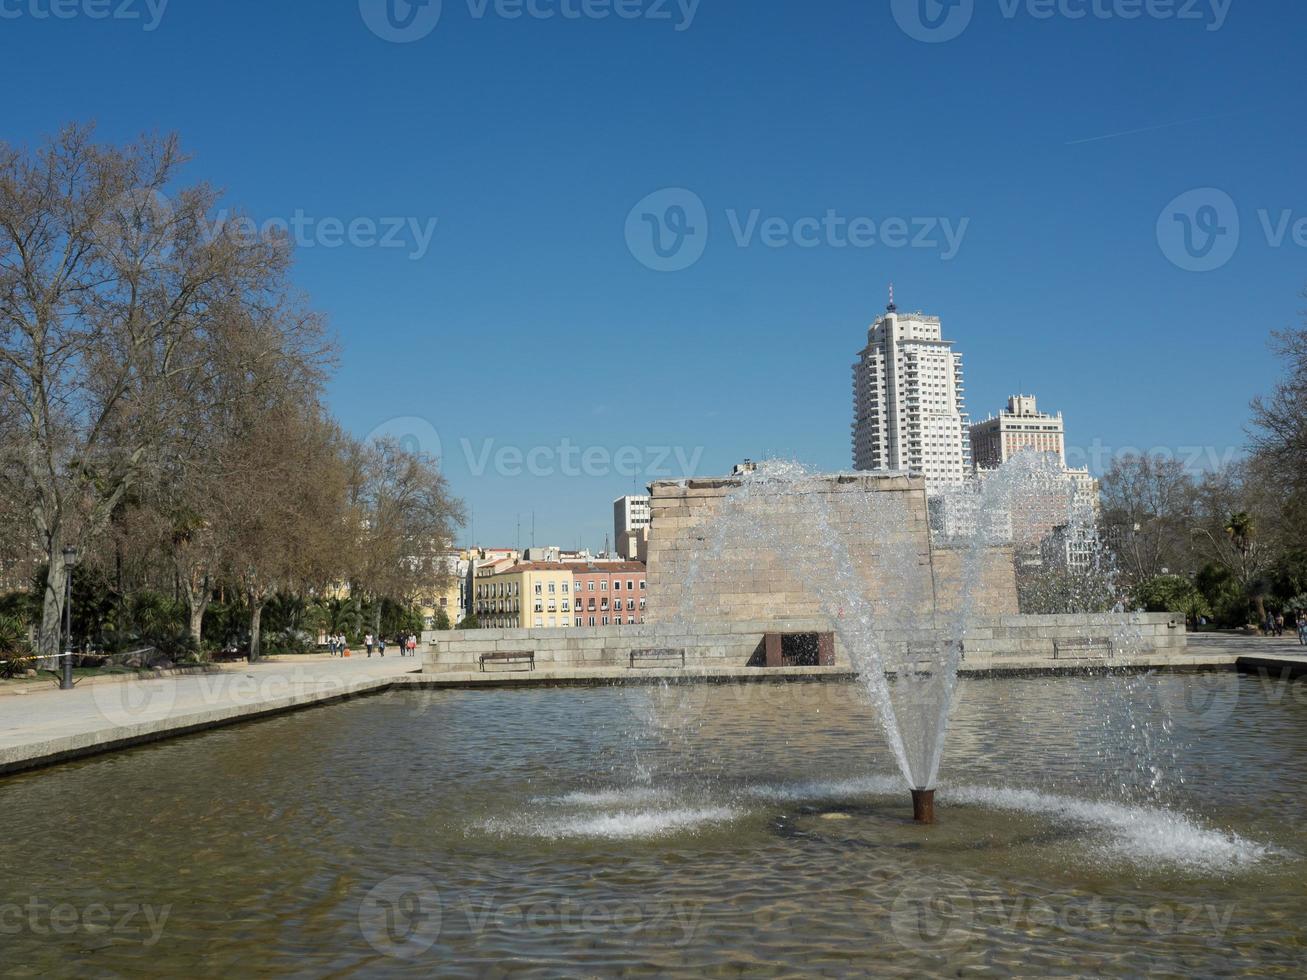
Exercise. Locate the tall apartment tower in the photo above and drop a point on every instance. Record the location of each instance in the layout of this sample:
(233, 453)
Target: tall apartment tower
(630, 521)
(909, 410)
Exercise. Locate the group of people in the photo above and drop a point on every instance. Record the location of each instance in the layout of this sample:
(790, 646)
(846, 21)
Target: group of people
(1274, 626)
(407, 643)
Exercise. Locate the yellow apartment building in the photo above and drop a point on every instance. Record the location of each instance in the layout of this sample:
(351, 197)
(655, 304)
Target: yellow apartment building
(523, 595)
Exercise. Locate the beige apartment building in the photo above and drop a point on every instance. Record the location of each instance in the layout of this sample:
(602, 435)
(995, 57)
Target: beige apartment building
(1022, 426)
(523, 595)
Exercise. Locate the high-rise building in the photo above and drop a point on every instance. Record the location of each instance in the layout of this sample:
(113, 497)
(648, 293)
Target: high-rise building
(909, 409)
(1022, 426)
(630, 518)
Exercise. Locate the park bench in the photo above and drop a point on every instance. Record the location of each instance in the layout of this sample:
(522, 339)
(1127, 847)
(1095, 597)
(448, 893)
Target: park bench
(924, 656)
(667, 653)
(1083, 648)
(520, 657)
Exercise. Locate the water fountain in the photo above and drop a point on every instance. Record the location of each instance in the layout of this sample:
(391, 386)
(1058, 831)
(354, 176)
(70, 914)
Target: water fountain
(870, 562)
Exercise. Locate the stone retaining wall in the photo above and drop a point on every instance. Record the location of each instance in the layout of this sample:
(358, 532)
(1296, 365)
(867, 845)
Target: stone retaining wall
(733, 644)
(711, 561)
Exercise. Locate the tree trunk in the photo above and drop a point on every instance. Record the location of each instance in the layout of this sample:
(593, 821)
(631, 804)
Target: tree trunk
(256, 616)
(197, 606)
(52, 604)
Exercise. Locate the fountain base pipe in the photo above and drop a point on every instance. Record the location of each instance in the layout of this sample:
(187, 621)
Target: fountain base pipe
(923, 805)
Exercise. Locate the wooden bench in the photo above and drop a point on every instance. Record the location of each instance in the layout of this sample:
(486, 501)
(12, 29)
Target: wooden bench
(1083, 648)
(919, 650)
(527, 657)
(668, 653)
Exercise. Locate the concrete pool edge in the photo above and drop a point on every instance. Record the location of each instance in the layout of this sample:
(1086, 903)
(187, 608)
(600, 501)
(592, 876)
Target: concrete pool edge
(43, 752)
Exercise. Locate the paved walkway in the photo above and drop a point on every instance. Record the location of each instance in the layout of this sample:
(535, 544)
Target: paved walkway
(50, 725)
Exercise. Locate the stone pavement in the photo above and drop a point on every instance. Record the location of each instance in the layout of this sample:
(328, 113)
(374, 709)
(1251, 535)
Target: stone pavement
(52, 725)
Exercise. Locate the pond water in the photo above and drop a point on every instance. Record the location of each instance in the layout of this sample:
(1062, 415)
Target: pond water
(1091, 825)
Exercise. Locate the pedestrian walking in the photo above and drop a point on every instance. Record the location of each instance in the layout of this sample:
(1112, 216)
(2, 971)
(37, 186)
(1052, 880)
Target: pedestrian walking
(1279, 624)
(413, 645)
(369, 643)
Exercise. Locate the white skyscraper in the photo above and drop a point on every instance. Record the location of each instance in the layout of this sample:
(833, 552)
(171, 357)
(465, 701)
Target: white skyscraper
(908, 405)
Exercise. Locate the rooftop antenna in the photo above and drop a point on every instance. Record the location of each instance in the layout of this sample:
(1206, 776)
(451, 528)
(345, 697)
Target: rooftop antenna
(891, 308)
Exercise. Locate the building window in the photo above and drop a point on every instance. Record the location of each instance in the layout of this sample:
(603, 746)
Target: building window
(603, 585)
(592, 620)
(630, 585)
(617, 585)
(641, 585)
(552, 588)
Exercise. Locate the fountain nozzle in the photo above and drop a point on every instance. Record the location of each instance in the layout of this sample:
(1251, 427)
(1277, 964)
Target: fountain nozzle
(923, 805)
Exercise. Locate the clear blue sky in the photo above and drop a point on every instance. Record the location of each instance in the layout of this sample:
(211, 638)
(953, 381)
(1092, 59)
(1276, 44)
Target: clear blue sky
(529, 321)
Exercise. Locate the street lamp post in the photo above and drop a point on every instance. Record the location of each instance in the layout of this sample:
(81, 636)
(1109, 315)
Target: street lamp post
(70, 559)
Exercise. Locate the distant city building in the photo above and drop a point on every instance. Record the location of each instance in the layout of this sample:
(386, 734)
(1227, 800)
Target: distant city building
(523, 595)
(909, 409)
(609, 594)
(1021, 427)
(630, 516)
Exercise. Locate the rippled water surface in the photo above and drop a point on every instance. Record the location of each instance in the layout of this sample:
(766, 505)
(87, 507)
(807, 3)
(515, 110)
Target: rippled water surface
(1107, 826)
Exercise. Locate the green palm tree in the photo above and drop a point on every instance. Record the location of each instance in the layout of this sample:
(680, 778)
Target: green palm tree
(344, 616)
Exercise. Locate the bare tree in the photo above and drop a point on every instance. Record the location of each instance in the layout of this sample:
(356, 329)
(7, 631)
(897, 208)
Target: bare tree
(406, 519)
(115, 303)
(1148, 510)
(285, 510)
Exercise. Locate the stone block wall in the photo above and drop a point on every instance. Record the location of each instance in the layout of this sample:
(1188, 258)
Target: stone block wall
(988, 640)
(725, 552)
